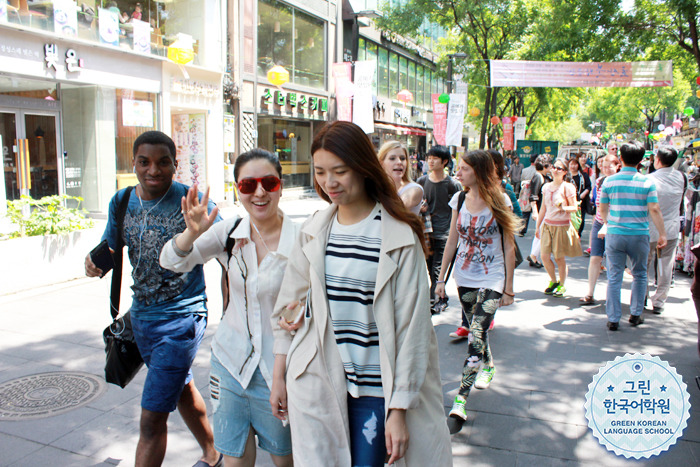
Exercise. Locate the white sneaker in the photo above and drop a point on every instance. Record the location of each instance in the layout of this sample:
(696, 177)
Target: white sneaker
(459, 408)
(483, 379)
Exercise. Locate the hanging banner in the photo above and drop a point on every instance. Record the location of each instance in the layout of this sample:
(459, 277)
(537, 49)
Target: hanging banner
(455, 119)
(508, 133)
(362, 114)
(439, 119)
(519, 127)
(108, 26)
(65, 18)
(142, 36)
(344, 90)
(522, 73)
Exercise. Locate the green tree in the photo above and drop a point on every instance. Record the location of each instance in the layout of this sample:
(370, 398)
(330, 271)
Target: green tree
(485, 30)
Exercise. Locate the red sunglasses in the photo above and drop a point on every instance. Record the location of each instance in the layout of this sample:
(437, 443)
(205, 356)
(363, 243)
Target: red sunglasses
(270, 183)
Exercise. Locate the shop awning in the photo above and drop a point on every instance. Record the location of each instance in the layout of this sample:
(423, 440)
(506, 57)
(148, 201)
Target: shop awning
(402, 129)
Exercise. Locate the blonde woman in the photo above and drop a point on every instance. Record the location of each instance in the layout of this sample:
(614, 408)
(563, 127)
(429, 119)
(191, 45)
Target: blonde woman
(557, 235)
(394, 159)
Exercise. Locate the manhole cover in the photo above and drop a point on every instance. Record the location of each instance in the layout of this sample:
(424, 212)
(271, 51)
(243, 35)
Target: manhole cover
(47, 394)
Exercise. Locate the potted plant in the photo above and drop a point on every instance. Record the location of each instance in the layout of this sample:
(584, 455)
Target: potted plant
(49, 244)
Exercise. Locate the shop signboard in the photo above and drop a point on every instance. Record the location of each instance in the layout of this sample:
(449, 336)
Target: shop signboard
(508, 135)
(294, 101)
(526, 148)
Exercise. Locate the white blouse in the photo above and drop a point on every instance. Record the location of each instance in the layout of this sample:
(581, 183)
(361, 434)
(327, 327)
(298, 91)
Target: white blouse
(243, 340)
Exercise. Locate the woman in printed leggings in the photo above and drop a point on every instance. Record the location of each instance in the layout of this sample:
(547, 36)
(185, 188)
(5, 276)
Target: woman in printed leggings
(482, 236)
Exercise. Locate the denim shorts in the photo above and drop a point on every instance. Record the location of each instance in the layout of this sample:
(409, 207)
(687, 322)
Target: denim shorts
(367, 442)
(235, 410)
(168, 348)
(597, 244)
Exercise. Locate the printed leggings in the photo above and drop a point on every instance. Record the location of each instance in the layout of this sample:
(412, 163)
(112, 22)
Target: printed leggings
(478, 309)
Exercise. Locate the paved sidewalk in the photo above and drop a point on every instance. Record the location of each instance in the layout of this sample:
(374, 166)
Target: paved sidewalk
(546, 352)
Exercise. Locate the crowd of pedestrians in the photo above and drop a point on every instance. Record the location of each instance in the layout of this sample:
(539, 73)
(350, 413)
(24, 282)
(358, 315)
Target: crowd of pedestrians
(326, 353)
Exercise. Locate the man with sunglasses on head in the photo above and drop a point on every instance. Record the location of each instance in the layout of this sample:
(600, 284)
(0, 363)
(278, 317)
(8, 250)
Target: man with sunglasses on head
(168, 312)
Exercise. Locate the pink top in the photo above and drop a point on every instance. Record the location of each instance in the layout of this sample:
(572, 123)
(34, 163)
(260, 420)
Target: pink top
(554, 199)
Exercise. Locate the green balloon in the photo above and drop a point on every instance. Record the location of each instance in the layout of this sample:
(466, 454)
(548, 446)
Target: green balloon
(444, 98)
(689, 111)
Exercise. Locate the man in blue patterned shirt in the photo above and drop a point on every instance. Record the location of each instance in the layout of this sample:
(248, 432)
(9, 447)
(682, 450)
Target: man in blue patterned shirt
(168, 312)
(627, 200)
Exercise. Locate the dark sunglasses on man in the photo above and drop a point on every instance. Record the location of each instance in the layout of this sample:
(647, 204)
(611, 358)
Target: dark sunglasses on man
(270, 183)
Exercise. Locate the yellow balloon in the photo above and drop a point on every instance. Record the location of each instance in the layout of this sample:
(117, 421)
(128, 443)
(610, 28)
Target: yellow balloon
(697, 93)
(180, 55)
(278, 75)
(474, 112)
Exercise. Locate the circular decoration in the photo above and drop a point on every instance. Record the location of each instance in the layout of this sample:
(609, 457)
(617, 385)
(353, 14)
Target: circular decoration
(646, 133)
(495, 120)
(444, 98)
(619, 137)
(697, 80)
(47, 394)
(474, 112)
(405, 96)
(689, 111)
(528, 132)
(677, 124)
(292, 136)
(661, 127)
(278, 75)
(697, 93)
(637, 406)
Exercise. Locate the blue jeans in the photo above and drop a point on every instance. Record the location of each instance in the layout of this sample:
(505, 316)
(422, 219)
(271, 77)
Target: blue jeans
(168, 348)
(367, 444)
(617, 249)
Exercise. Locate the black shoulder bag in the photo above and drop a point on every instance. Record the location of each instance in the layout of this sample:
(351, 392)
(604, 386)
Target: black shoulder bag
(123, 357)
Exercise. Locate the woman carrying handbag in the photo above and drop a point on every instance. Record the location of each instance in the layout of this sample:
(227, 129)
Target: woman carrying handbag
(558, 236)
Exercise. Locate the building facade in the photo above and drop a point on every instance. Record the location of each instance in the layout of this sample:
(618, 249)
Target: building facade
(78, 84)
(402, 65)
(301, 37)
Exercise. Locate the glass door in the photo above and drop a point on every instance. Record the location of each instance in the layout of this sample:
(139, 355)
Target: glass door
(30, 150)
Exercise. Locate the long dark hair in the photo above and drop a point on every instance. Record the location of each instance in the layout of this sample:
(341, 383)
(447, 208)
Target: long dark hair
(490, 190)
(350, 144)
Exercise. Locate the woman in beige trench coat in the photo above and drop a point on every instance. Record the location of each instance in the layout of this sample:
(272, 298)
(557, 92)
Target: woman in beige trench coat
(309, 381)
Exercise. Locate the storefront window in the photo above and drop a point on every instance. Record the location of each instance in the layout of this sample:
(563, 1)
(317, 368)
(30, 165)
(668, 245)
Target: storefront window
(393, 74)
(144, 26)
(403, 74)
(361, 49)
(293, 40)
(412, 78)
(419, 86)
(383, 73)
(428, 88)
(136, 113)
(291, 141)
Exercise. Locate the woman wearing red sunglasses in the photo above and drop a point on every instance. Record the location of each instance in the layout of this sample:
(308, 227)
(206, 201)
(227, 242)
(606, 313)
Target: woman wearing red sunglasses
(358, 373)
(242, 361)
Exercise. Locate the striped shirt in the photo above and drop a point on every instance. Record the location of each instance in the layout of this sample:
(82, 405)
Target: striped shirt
(352, 257)
(628, 194)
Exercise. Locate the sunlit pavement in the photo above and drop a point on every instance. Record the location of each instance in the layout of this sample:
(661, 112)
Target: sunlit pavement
(546, 350)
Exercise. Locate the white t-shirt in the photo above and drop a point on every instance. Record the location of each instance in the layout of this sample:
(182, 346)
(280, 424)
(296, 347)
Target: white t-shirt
(479, 259)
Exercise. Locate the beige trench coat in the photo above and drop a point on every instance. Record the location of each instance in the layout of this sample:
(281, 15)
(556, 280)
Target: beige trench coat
(316, 386)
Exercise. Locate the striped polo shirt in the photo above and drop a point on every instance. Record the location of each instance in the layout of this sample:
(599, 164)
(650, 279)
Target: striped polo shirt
(628, 194)
(352, 258)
